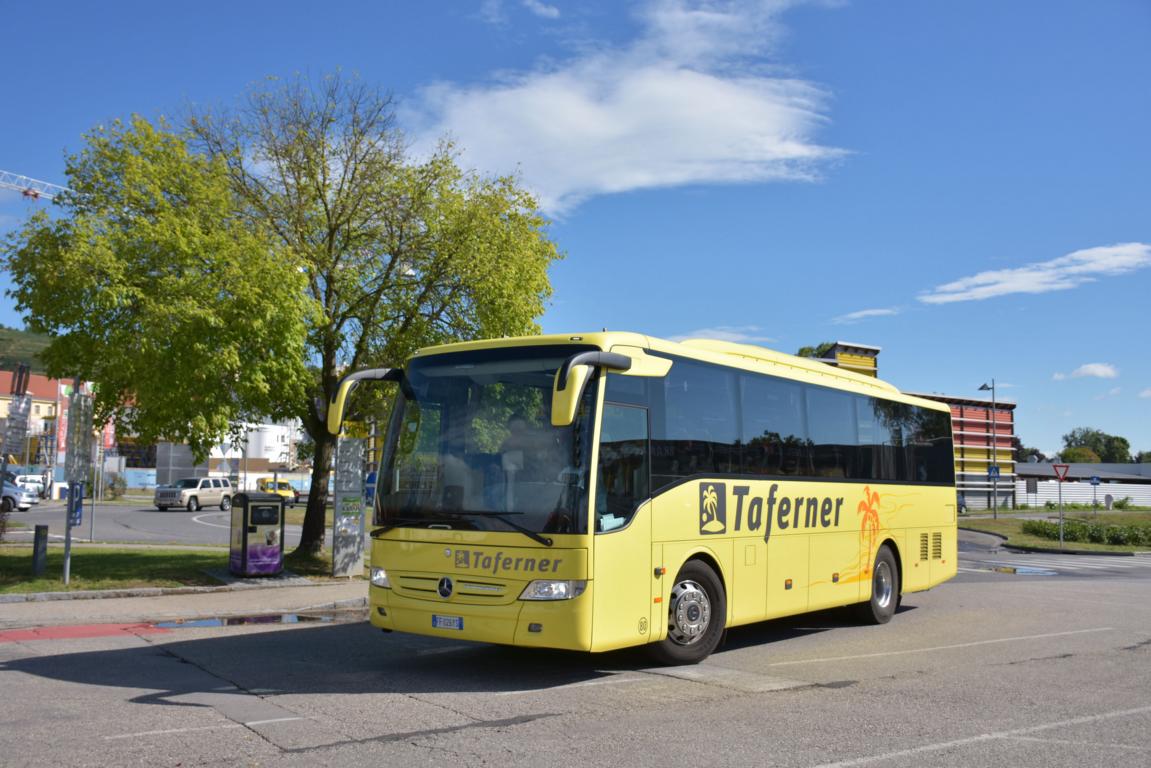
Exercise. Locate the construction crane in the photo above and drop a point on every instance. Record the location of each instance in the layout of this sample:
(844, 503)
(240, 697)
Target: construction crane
(30, 188)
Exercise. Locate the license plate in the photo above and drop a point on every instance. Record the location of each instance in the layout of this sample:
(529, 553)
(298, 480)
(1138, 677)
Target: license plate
(447, 622)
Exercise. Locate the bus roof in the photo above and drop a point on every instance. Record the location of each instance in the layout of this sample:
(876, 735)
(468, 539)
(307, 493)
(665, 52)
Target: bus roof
(747, 356)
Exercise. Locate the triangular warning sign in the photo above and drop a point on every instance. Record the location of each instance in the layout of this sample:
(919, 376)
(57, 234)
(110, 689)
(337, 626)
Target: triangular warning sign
(1061, 471)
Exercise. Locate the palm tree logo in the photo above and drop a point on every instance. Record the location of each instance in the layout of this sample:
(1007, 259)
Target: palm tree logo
(869, 528)
(713, 512)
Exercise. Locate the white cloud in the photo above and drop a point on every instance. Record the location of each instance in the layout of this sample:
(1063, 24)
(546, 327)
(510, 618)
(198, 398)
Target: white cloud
(1059, 274)
(1113, 392)
(1097, 370)
(744, 334)
(863, 314)
(541, 9)
(689, 101)
(1145, 393)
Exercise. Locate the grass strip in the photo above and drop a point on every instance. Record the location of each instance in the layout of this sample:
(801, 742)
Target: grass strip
(1012, 528)
(105, 568)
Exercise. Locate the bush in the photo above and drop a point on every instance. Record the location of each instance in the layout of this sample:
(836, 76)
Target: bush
(1122, 503)
(1096, 533)
(116, 485)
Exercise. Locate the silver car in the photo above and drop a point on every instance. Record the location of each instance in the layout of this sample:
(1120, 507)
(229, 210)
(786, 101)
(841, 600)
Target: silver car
(16, 497)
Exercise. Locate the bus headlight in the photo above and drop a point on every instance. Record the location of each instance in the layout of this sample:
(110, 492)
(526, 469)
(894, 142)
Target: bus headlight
(380, 578)
(546, 589)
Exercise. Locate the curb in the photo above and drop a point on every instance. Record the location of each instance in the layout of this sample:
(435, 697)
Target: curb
(100, 594)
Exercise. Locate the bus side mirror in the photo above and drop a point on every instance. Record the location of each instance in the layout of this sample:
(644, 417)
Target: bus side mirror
(572, 377)
(567, 394)
(335, 417)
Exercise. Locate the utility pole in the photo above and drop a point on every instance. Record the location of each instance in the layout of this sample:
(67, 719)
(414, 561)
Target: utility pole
(993, 467)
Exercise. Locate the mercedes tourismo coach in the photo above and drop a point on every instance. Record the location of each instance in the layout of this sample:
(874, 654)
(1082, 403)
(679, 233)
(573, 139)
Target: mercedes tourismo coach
(611, 489)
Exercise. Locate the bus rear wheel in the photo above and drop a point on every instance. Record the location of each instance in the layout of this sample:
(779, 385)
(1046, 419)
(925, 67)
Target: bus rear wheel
(885, 592)
(696, 614)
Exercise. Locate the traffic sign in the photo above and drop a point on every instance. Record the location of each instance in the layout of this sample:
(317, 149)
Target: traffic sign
(993, 471)
(1095, 480)
(1061, 471)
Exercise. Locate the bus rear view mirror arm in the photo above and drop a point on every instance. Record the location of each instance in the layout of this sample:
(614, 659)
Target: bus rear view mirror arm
(572, 377)
(336, 408)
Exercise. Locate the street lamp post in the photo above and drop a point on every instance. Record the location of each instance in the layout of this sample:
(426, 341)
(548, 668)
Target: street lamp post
(993, 468)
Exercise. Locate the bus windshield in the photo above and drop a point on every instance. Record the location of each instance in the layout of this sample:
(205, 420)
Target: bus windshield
(470, 446)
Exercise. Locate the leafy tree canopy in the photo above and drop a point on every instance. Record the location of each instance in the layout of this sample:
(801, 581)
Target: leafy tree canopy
(186, 315)
(821, 350)
(1110, 449)
(1079, 454)
(396, 252)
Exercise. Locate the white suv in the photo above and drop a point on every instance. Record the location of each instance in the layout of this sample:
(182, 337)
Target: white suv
(34, 483)
(194, 493)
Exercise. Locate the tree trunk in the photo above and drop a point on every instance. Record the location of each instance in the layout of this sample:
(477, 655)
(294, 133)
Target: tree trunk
(312, 537)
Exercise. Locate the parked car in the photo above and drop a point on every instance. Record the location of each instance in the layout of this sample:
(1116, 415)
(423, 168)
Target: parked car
(34, 483)
(194, 493)
(16, 497)
(280, 488)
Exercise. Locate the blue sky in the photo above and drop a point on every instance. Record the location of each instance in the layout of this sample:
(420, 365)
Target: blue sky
(962, 184)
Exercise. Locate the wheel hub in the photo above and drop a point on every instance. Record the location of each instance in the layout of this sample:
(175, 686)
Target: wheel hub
(689, 613)
(884, 585)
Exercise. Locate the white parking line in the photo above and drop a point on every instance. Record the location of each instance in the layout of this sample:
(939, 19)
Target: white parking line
(941, 647)
(987, 737)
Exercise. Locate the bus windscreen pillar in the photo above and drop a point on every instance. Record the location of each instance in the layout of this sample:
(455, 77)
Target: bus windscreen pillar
(257, 540)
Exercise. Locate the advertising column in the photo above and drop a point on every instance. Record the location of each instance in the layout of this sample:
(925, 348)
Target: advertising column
(348, 522)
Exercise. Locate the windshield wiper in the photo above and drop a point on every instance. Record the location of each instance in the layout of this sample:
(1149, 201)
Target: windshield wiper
(502, 517)
(402, 521)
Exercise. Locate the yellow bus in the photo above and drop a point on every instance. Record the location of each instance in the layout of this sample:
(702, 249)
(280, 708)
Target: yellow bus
(606, 490)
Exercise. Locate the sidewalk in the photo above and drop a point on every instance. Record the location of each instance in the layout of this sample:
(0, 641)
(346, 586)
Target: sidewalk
(206, 604)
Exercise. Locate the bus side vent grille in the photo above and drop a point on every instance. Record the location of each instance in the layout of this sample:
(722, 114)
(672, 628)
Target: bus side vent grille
(937, 546)
(923, 546)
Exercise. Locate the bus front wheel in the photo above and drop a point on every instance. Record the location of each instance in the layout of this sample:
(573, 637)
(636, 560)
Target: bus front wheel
(884, 589)
(696, 614)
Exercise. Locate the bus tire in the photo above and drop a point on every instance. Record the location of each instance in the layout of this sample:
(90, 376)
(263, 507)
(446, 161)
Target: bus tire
(884, 589)
(696, 615)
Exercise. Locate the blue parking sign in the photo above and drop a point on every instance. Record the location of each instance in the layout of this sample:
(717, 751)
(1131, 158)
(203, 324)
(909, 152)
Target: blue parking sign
(75, 504)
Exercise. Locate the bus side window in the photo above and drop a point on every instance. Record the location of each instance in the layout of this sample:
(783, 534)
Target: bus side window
(622, 483)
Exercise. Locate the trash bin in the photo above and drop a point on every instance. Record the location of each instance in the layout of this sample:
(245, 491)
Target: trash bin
(257, 542)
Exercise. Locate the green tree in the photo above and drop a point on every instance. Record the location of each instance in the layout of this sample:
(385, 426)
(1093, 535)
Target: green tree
(148, 283)
(1022, 453)
(396, 253)
(1110, 449)
(1143, 457)
(1079, 454)
(819, 351)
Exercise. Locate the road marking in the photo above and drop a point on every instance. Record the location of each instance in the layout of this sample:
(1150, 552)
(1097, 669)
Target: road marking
(272, 720)
(942, 647)
(987, 737)
(77, 632)
(202, 728)
(1070, 743)
(196, 519)
(1059, 564)
(172, 730)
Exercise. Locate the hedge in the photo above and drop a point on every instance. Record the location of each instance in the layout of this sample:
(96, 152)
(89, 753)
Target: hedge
(1097, 533)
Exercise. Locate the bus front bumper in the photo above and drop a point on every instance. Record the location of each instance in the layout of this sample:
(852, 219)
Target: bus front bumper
(563, 624)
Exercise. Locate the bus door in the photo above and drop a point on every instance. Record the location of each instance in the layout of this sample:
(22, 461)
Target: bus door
(622, 520)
